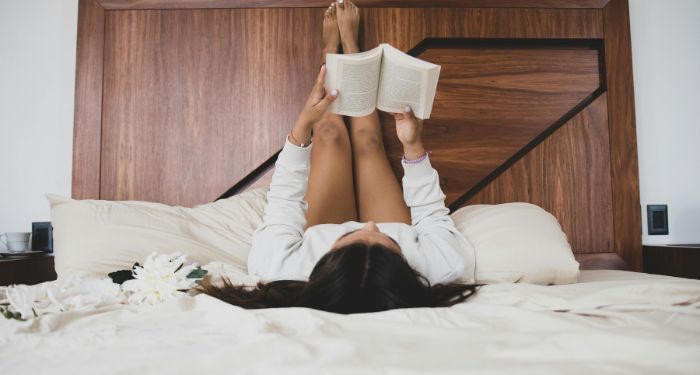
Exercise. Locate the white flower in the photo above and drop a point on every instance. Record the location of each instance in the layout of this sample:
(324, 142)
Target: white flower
(71, 293)
(77, 293)
(159, 279)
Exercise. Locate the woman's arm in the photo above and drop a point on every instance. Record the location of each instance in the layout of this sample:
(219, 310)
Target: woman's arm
(445, 254)
(283, 223)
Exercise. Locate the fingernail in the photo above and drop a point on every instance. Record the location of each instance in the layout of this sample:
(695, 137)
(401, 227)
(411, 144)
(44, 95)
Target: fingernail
(407, 109)
(334, 92)
(323, 67)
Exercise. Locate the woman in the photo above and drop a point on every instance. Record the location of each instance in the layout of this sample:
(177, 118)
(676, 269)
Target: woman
(312, 249)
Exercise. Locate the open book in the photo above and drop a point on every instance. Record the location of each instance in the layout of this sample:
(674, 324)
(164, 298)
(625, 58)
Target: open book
(383, 78)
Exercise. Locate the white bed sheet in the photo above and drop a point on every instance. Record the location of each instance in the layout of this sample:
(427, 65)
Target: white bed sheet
(613, 322)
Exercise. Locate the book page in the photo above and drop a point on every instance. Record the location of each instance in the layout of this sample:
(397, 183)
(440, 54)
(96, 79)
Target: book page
(406, 80)
(356, 77)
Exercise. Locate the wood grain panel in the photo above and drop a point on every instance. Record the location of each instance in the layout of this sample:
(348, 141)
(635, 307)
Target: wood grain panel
(88, 101)
(491, 102)
(568, 175)
(406, 27)
(623, 139)
(199, 4)
(194, 100)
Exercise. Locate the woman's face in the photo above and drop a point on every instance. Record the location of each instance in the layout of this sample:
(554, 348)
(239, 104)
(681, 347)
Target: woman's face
(369, 234)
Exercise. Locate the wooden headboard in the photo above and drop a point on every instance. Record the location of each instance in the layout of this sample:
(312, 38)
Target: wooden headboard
(184, 101)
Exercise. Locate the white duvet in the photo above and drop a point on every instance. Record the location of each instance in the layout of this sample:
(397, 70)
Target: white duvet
(613, 322)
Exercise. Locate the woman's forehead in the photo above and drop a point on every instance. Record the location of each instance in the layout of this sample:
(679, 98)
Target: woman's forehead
(364, 234)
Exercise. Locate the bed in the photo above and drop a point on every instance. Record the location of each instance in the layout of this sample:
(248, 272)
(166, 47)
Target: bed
(535, 104)
(612, 321)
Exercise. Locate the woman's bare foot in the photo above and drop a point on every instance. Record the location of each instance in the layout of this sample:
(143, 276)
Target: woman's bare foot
(331, 34)
(349, 25)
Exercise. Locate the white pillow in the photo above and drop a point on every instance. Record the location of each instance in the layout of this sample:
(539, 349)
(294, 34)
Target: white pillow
(514, 242)
(96, 236)
(517, 242)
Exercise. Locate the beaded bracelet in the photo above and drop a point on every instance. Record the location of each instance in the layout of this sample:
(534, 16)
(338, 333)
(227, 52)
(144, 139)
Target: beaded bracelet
(415, 161)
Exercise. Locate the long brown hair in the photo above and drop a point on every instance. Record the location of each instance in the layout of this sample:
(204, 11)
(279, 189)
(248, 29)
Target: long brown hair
(355, 278)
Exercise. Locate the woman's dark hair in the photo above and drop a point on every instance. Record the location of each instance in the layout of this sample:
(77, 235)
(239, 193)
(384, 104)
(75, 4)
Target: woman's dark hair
(355, 278)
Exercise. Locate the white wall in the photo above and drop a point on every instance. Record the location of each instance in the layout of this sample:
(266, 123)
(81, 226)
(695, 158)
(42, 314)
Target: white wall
(666, 59)
(37, 75)
(37, 79)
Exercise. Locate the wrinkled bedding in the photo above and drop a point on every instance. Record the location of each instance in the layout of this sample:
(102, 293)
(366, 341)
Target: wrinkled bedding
(614, 322)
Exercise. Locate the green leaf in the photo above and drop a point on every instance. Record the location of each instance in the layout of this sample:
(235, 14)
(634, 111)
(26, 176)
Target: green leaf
(9, 314)
(197, 273)
(118, 277)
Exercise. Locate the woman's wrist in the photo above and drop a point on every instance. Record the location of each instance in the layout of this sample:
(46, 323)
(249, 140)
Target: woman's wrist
(301, 133)
(413, 151)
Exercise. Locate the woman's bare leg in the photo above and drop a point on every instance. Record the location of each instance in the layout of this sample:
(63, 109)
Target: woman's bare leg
(378, 192)
(330, 194)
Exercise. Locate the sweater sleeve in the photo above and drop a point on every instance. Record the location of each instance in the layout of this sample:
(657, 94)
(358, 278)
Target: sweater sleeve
(281, 231)
(443, 254)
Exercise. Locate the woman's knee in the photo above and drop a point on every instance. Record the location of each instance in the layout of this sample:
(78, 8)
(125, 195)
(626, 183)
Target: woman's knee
(331, 134)
(367, 142)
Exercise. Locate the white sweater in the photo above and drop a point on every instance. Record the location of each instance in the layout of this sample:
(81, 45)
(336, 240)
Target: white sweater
(282, 250)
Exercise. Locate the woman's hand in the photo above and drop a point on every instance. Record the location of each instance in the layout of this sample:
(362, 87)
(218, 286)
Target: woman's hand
(316, 106)
(409, 130)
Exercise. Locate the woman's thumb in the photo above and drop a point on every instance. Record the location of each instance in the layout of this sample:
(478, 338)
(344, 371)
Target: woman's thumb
(327, 100)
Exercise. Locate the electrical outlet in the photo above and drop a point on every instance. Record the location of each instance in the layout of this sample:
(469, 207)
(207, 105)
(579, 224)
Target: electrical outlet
(657, 219)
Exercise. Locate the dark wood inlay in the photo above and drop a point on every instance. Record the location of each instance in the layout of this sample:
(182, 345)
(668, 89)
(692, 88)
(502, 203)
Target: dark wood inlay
(253, 179)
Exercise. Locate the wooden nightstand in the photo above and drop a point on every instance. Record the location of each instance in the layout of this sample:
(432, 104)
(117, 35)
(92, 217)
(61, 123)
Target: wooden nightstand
(32, 269)
(673, 260)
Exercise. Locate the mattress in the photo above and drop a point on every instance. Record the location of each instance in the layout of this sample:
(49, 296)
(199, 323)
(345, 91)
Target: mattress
(610, 322)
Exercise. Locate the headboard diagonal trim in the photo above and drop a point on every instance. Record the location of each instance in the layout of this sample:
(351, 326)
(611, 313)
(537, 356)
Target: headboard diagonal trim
(251, 177)
(526, 149)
